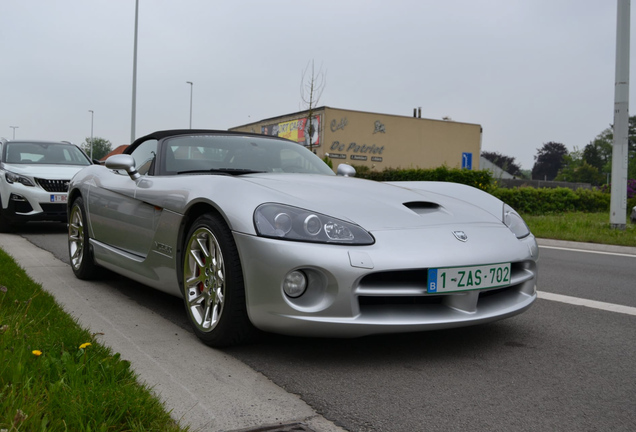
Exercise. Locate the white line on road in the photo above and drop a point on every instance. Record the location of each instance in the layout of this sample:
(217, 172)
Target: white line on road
(587, 303)
(588, 251)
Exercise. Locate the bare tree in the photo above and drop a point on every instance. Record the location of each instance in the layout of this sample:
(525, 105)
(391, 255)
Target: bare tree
(312, 84)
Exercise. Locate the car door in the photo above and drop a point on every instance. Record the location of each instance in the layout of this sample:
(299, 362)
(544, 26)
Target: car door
(118, 218)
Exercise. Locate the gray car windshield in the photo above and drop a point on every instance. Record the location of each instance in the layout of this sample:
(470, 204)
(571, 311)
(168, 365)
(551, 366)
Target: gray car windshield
(235, 154)
(43, 154)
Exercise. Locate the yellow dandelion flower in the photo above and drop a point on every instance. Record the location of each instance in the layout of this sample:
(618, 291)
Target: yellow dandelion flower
(85, 345)
(36, 353)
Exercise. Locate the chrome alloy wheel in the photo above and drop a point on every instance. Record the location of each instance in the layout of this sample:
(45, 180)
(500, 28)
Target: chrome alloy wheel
(204, 279)
(76, 237)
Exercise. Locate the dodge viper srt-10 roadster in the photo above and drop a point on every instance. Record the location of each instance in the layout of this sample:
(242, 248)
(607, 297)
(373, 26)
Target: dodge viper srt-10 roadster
(257, 232)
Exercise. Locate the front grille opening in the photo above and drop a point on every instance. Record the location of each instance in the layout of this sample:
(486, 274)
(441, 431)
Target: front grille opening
(53, 185)
(494, 292)
(54, 209)
(396, 278)
(22, 207)
(399, 301)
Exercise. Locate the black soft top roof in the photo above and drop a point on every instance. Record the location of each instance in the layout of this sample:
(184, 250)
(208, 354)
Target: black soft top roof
(158, 135)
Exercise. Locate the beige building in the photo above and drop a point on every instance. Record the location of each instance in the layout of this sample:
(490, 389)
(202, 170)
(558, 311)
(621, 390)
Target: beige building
(378, 140)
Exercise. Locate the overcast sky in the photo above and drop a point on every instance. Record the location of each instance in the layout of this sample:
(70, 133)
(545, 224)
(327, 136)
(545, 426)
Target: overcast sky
(528, 71)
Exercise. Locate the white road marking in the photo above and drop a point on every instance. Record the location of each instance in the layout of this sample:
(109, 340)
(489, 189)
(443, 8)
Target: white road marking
(588, 251)
(628, 310)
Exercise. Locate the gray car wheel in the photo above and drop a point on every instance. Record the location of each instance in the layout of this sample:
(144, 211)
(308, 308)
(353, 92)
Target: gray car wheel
(212, 283)
(79, 251)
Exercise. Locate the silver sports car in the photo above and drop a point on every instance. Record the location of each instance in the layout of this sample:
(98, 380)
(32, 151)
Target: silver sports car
(256, 232)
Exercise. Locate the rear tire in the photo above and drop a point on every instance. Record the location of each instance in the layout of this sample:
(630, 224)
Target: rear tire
(212, 284)
(79, 251)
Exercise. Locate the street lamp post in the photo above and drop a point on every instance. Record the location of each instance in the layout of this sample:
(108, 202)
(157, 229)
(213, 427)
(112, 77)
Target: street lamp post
(14, 128)
(92, 114)
(134, 81)
(191, 86)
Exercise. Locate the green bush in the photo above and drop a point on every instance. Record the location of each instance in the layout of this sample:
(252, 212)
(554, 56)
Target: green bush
(540, 201)
(630, 205)
(479, 179)
(526, 200)
(328, 161)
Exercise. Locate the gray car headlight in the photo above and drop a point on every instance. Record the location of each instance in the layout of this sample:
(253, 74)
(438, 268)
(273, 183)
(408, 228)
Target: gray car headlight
(515, 222)
(293, 223)
(17, 178)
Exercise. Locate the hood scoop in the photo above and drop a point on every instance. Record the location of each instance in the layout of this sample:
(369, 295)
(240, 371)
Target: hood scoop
(423, 207)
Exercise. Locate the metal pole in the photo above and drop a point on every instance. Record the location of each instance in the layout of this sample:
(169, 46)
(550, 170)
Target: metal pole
(92, 113)
(134, 83)
(618, 202)
(191, 86)
(14, 128)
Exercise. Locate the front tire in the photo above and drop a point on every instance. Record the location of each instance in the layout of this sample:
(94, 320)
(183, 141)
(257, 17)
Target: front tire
(79, 250)
(212, 284)
(5, 225)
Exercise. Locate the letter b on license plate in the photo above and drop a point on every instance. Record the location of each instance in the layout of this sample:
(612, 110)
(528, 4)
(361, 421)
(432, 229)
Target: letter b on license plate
(452, 279)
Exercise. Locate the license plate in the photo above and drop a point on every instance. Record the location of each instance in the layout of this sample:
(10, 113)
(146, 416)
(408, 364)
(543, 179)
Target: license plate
(452, 279)
(59, 198)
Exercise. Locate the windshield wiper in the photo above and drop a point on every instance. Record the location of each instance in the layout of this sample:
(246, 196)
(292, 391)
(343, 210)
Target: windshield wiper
(223, 171)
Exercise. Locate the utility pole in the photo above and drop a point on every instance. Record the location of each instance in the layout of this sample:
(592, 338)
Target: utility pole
(191, 86)
(92, 113)
(620, 154)
(134, 83)
(14, 128)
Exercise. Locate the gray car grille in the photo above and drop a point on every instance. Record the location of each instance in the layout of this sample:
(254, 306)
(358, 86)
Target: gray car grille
(53, 185)
(404, 291)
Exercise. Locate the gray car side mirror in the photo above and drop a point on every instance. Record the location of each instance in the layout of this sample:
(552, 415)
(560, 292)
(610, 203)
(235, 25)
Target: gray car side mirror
(346, 170)
(123, 162)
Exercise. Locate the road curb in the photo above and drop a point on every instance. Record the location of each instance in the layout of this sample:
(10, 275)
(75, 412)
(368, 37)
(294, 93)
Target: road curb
(203, 387)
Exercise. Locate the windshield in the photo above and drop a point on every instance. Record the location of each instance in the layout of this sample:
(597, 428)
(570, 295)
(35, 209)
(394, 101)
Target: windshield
(43, 154)
(238, 154)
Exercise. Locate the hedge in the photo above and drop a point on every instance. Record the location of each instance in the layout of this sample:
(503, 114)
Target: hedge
(526, 200)
(478, 179)
(541, 201)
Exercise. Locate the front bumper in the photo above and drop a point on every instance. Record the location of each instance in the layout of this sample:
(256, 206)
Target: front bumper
(357, 291)
(32, 204)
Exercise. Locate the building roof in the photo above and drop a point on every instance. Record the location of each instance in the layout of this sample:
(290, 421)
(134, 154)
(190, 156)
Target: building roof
(118, 150)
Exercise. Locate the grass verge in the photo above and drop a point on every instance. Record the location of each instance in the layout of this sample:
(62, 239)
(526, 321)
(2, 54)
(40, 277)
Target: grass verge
(581, 227)
(55, 376)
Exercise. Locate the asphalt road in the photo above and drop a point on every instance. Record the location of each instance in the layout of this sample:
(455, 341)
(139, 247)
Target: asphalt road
(556, 367)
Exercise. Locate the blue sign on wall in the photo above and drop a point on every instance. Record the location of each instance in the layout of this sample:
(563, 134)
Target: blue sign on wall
(467, 160)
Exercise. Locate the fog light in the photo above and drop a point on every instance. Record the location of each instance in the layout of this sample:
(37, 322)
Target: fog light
(16, 197)
(295, 284)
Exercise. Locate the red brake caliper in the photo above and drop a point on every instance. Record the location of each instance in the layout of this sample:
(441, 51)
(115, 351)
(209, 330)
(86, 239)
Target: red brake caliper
(201, 286)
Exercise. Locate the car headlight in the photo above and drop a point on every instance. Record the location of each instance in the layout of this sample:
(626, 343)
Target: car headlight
(293, 223)
(17, 178)
(515, 222)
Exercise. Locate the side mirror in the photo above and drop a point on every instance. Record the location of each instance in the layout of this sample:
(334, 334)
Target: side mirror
(123, 162)
(346, 170)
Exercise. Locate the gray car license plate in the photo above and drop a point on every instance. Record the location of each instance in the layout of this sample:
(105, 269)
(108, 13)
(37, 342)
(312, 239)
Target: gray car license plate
(452, 279)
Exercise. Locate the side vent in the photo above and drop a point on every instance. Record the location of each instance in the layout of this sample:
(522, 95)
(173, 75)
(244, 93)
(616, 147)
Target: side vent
(422, 207)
